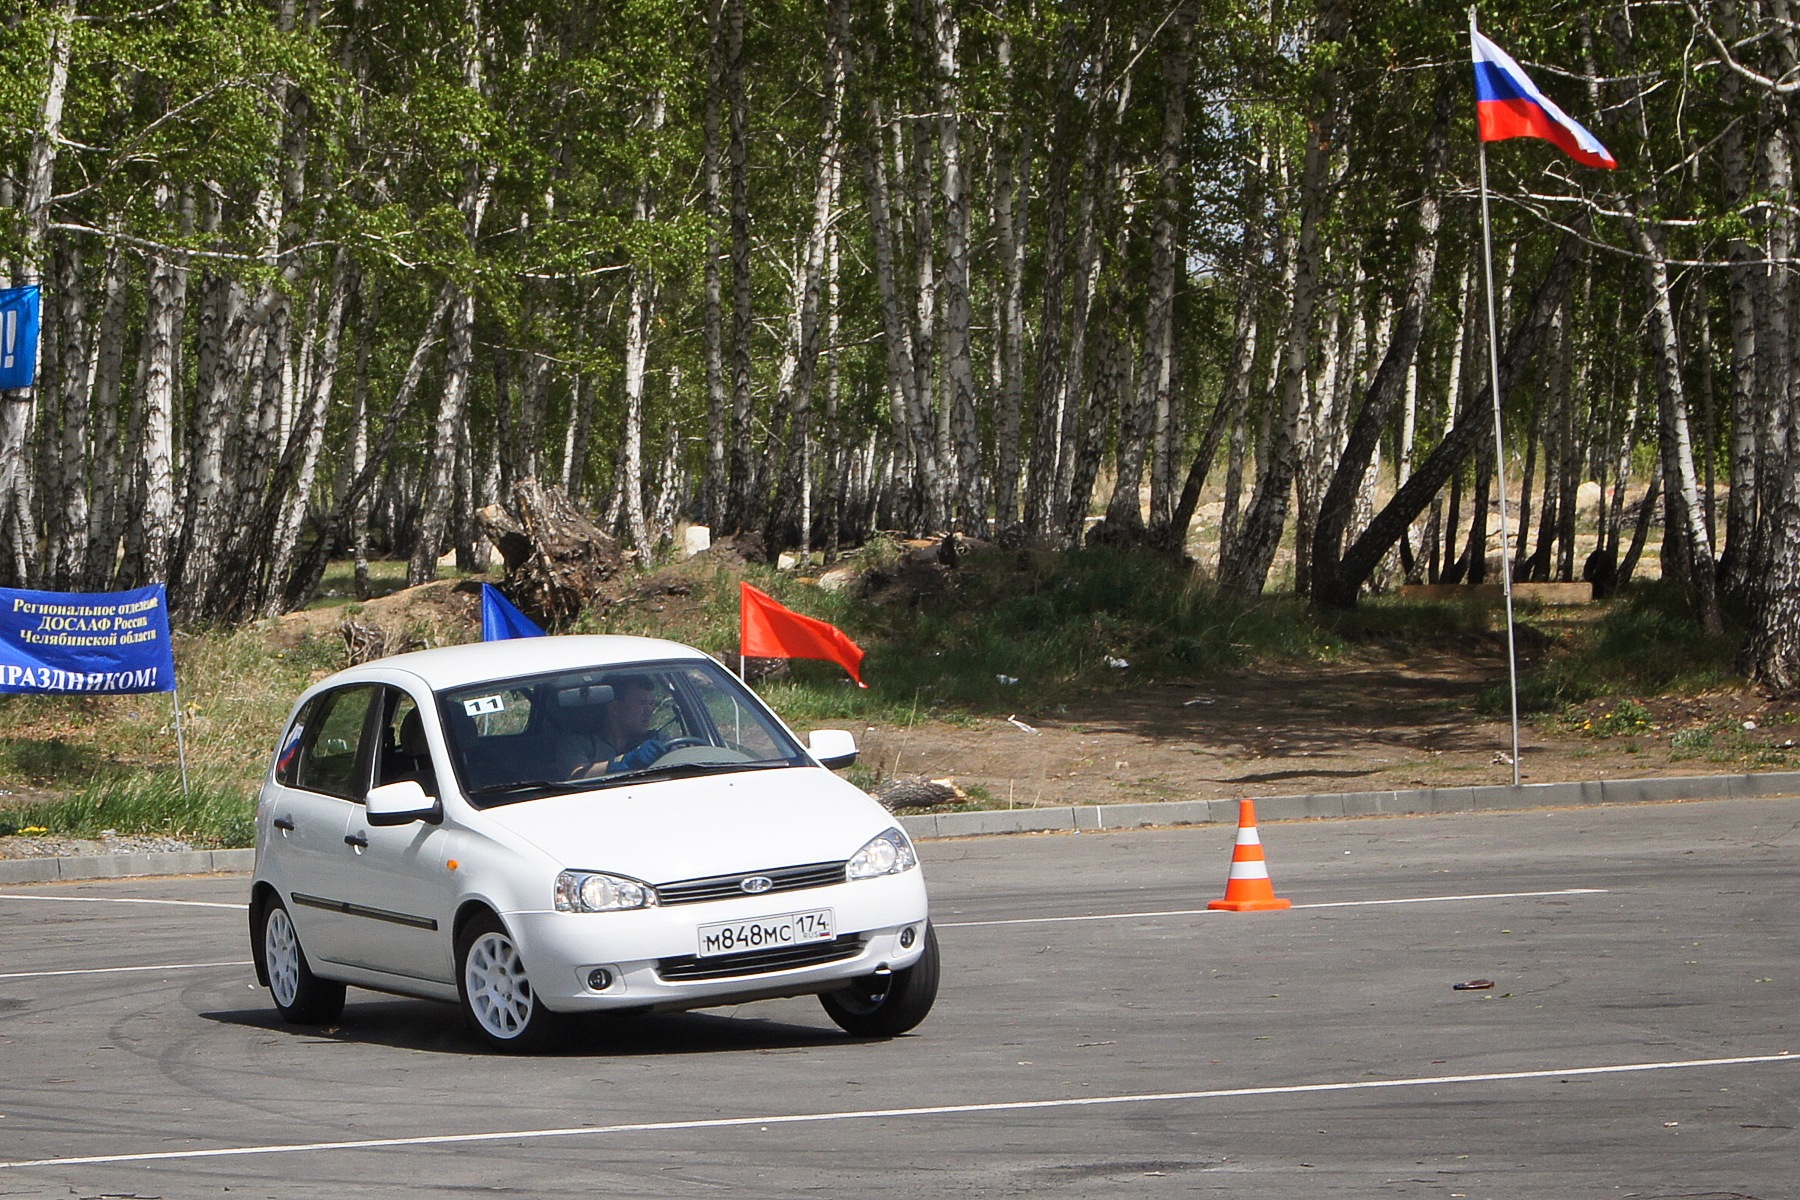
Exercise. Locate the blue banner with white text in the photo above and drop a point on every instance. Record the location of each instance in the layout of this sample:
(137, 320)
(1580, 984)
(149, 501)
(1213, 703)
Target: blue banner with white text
(18, 336)
(86, 642)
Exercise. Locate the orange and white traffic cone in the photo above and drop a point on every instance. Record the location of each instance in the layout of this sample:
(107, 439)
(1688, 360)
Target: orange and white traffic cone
(1247, 888)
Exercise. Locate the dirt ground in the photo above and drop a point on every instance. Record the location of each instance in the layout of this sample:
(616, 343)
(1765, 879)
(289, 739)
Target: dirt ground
(1377, 720)
(1374, 724)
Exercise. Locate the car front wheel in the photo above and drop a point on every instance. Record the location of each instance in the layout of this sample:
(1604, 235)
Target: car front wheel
(497, 997)
(887, 1005)
(301, 997)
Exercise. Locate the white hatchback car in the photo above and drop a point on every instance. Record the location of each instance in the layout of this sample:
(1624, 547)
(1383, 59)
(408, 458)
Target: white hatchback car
(558, 825)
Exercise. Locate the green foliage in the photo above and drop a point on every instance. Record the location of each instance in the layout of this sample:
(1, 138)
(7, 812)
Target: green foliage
(1648, 642)
(212, 812)
(1003, 632)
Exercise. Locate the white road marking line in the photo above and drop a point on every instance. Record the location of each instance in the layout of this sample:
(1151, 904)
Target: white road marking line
(941, 1110)
(123, 900)
(1128, 916)
(1208, 912)
(111, 970)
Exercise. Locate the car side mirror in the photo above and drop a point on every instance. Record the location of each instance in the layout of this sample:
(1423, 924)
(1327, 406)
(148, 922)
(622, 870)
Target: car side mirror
(834, 748)
(401, 804)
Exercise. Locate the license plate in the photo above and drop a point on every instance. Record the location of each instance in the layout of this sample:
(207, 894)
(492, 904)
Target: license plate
(768, 933)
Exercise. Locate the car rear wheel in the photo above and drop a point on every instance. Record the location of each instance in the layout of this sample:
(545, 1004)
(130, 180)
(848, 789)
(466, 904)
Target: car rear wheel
(301, 997)
(497, 997)
(887, 1005)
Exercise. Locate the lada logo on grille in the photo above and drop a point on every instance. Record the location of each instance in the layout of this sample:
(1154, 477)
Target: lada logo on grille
(757, 884)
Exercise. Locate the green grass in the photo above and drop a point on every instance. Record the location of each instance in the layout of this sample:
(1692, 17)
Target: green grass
(110, 762)
(1647, 642)
(337, 587)
(1055, 623)
(938, 645)
(212, 812)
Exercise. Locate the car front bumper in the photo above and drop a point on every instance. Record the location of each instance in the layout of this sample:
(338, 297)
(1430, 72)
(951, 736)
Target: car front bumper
(650, 959)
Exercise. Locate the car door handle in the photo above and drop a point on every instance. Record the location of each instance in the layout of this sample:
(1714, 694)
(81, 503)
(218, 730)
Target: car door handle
(285, 824)
(360, 841)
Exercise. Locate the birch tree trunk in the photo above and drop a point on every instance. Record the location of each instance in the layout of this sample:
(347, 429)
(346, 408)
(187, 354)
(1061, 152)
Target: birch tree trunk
(18, 529)
(434, 516)
(1080, 430)
(1167, 429)
(1474, 420)
(1245, 568)
(225, 349)
(800, 370)
(911, 418)
(1388, 385)
(1012, 173)
(154, 516)
(105, 515)
(1774, 344)
(1153, 421)
(965, 433)
(304, 580)
(740, 509)
(1681, 499)
(712, 491)
(459, 358)
(73, 469)
(1042, 501)
(630, 478)
(291, 498)
(1735, 162)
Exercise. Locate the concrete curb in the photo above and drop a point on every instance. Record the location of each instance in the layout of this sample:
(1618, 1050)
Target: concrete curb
(1493, 798)
(1089, 817)
(123, 866)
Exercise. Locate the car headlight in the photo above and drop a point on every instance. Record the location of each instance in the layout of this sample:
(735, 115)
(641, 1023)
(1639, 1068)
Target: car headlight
(887, 853)
(591, 891)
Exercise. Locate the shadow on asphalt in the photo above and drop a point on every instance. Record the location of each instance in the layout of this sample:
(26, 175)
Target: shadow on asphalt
(428, 1027)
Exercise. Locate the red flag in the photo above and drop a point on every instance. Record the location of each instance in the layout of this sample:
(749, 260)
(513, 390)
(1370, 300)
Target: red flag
(769, 630)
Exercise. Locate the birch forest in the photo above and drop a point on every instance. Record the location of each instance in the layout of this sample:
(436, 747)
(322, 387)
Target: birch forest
(322, 278)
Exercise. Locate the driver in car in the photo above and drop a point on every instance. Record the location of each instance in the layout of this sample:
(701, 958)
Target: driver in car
(625, 740)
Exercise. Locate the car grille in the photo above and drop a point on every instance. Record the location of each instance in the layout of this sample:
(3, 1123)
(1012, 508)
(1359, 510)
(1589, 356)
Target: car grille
(758, 962)
(725, 887)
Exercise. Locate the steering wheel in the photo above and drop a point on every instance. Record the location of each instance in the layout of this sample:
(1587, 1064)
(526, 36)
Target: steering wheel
(680, 742)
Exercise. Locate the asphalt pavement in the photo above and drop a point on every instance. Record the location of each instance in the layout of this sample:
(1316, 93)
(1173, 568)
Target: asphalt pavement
(1100, 1032)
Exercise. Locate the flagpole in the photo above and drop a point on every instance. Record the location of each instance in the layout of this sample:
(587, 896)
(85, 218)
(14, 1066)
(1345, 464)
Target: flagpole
(1487, 254)
(180, 740)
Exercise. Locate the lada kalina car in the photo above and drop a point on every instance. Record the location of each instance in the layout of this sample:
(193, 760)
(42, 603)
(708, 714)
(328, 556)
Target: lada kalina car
(487, 825)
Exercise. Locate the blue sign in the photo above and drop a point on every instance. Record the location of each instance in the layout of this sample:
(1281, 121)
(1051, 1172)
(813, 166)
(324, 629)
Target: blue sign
(500, 620)
(18, 336)
(86, 642)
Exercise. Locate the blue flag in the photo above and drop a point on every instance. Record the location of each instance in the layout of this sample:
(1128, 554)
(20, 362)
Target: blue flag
(75, 642)
(500, 620)
(18, 336)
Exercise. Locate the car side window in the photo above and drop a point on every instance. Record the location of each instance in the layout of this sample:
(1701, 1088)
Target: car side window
(402, 753)
(331, 746)
(287, 759)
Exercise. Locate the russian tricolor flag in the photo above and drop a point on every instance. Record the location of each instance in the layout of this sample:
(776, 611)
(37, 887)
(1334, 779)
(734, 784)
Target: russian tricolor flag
(1509, 105)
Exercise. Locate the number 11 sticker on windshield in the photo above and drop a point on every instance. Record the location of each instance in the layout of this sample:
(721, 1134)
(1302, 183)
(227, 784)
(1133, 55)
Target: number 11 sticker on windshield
(482, 705)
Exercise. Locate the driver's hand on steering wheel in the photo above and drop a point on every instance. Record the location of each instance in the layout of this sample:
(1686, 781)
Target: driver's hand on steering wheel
(640, 755)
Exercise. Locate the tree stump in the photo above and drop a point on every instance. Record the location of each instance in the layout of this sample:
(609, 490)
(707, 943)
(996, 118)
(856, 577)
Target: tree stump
(919, 792)
(556, 559)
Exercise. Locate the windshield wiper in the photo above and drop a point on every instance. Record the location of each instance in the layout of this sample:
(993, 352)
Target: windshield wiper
(535, 785)
(682, 770)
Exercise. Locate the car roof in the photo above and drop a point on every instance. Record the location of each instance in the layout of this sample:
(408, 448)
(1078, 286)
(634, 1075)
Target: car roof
(473, 662)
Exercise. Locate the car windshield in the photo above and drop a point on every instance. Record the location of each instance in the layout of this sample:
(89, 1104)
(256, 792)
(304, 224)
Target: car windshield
(576, 730)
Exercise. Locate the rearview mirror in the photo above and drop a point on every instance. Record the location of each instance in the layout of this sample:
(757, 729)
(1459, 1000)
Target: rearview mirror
(834, 748)
(401, 804)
